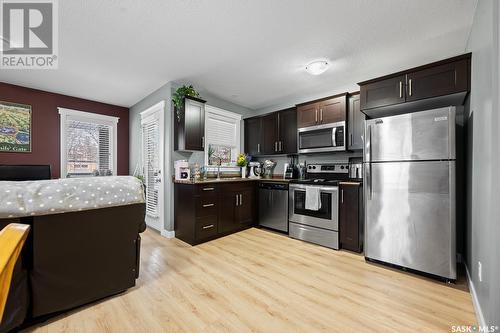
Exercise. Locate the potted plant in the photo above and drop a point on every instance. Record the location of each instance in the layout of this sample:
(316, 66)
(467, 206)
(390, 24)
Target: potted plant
(242, 161)
(178, 98)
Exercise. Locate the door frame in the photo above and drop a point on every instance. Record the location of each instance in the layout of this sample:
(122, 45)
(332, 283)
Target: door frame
(159, 107)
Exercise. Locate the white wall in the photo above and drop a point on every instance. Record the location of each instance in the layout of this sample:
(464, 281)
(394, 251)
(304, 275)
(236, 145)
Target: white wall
(483, 220)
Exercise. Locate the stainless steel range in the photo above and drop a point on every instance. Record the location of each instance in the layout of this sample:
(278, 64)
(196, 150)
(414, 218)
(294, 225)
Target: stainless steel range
(319, 226)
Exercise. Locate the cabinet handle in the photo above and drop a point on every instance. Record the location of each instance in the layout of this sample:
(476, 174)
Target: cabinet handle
(241, 199)
(208, 189)
(208, 205)
(258, 147)
(409, 88)
(208, 226)
(203, 142)
(320, 115)
(281, 146)
(316, 116)
(400, 89)
(342, 196)
(237, 200)
(275, 146)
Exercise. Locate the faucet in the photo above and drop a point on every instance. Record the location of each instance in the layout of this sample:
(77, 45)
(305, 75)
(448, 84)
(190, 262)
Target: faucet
(218, 168)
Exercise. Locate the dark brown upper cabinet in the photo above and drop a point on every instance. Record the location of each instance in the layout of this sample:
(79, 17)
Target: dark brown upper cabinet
(252, 136)
(287, 123)
(189, 128)
(382, 93)
(324, 111)
(434, 85)
(272, 134)
(355, 123)
(269, 134)
(437, 81)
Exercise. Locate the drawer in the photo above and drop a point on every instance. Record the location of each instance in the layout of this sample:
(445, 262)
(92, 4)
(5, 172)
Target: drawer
(206, 205)
(323, 237)
(207, 189)
(206, 227)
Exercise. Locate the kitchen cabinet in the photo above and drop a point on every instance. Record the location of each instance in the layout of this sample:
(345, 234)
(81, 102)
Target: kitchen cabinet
(383, 93)
(252, 135)
(287, 125)
(272, 134)
(351, 216)
(324, 111)
(237, 206)
(207, 211)
(355, 123)
(269, 134)
(434, 85)
(189, 128)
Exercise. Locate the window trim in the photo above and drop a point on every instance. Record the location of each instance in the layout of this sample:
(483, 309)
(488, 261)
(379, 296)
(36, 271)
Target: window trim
(228, 114)
(70, 114)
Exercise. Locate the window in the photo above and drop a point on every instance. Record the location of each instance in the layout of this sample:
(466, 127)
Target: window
(222, 136)
(88, 144)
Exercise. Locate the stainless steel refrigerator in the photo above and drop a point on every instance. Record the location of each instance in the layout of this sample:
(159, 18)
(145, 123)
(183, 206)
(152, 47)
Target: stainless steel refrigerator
(410, 191)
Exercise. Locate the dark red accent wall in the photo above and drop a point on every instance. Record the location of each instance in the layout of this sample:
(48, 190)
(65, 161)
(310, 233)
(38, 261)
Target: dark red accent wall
(45, 133)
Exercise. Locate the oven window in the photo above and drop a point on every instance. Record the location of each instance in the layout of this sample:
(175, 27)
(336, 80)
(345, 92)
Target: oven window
(316, 139)
(325, 212)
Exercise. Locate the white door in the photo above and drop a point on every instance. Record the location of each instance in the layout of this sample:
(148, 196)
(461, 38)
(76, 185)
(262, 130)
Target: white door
(152, 164)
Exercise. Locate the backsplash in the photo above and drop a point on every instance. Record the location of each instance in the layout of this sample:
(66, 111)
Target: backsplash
(310, 158)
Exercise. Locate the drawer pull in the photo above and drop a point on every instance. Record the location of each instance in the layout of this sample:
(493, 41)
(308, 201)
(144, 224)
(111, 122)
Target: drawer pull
(208, 226)
(208, 189)
(208, 205)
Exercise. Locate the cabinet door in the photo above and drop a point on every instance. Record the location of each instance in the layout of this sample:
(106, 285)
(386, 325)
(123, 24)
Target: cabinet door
(288, 131)
(307, 115)
(437, 81)
(227, 211)
(246, 207)
(252, 136)
(382, 93)
(356, 124)
(194, 124)
(332, 110)
(269, 134)
(349, 227)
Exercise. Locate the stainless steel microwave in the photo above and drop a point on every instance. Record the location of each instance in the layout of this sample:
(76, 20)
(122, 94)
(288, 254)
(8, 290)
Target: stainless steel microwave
(322, 138)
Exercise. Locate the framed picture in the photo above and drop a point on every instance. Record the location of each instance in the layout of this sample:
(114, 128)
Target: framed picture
(15, 127)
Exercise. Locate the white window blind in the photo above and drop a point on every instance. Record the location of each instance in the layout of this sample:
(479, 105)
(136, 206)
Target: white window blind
(222, 133)
(150, 139)
(88, 144)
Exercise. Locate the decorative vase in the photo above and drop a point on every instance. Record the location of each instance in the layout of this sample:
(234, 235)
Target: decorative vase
(243, 172)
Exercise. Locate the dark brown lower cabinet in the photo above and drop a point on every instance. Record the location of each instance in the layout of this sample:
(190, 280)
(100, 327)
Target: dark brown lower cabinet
(351, 216)
(207, 211)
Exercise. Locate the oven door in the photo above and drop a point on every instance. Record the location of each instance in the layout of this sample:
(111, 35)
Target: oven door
(326, 217)
(322, 138)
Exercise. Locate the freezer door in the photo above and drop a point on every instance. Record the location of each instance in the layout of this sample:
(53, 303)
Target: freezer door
(410, 215)
(425, 135)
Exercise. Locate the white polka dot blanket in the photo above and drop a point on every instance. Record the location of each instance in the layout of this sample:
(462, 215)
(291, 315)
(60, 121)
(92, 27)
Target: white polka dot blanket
(43, 197)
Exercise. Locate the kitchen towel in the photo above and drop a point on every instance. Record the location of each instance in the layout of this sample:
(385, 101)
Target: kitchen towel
(313, 198)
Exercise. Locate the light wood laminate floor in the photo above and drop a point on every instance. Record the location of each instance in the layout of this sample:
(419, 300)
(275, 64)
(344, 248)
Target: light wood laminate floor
(258, 281)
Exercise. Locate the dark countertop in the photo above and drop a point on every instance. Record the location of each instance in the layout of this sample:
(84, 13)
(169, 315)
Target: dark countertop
(230, 180)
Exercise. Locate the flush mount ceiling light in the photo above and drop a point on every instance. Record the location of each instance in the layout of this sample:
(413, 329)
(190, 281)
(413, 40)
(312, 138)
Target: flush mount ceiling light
(317, 67)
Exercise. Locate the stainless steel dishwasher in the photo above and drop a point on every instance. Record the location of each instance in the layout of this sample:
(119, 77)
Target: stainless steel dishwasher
(273, 205)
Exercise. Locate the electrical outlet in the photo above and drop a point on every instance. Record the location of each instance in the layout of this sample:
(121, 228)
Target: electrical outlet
(480, 271)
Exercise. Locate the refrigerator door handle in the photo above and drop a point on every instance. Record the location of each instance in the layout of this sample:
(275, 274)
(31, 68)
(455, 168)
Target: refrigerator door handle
(369, 180)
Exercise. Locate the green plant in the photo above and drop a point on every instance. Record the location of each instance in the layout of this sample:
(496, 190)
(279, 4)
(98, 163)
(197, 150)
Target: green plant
(242, 160)
(179, 95)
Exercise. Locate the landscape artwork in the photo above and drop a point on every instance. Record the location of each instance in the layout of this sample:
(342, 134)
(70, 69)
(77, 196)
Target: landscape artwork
(15, 127)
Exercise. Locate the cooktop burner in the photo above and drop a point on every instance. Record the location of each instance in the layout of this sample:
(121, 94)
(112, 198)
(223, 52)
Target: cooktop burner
(325, 174)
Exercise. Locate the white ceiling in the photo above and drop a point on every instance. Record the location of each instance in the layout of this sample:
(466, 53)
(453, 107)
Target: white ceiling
(249, 52)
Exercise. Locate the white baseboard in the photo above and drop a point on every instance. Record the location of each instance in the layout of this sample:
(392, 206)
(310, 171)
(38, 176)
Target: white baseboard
(475, 300)
(167, 233)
